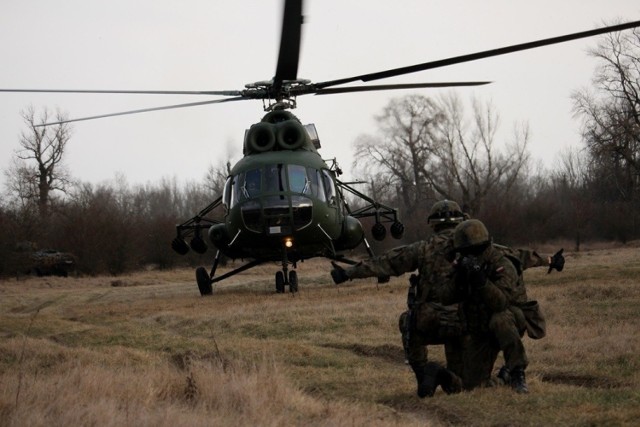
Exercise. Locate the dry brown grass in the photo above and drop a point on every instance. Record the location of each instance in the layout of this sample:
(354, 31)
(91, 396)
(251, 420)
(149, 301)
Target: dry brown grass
(146, 349)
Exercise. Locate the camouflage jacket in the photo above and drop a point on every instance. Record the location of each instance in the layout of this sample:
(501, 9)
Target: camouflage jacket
(504, 288)
(431, 257)
(523, 258)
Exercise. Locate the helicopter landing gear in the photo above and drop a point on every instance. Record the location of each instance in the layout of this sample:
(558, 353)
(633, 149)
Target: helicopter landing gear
(204, 281)
(293, 281)
(280, 282)
(286, 277)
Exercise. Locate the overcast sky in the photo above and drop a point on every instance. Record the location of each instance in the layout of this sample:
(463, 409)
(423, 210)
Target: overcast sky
(218, 45)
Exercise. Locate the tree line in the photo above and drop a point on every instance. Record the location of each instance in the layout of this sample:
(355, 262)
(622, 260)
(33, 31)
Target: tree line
(425, 149)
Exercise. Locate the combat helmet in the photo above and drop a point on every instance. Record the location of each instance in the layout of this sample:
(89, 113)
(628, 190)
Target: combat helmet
(445, 212)
(471, 234)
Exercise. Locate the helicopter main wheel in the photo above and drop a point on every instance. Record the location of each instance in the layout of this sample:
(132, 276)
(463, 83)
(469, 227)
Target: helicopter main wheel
(293, 281)
(280, 282)
(204, 281)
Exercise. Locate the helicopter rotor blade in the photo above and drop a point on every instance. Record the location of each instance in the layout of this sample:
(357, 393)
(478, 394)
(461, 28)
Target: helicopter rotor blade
(334, 90)
(288, 57)
(478, 55)
(143, 110)
(131, 92)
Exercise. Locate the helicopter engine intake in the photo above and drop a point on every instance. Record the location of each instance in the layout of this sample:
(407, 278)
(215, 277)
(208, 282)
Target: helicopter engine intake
(260, 138)
(290, 135)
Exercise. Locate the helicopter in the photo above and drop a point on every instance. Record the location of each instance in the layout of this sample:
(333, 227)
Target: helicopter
(282, 202)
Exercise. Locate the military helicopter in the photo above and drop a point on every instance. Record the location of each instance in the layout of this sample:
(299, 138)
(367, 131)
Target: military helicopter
(282, 202)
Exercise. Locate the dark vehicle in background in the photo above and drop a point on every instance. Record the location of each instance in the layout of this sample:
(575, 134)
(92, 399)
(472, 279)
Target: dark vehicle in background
(49, 262)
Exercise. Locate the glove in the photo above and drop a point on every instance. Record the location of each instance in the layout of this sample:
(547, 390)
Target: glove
(556, 262)
(338, 274)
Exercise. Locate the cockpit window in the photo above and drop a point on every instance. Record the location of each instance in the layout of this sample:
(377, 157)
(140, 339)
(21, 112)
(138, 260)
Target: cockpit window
(278, 178)
(298, 181)
(251, 187)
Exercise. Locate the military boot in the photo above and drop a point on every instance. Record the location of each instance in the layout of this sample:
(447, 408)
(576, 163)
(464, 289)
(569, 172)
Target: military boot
(518, 382)
(450, 382)
(504, 376)
(426, 376)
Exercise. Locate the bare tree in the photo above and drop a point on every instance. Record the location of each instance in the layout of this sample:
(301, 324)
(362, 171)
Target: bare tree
(38, 168)
(570, 181)
(403, 148)
(468, 166)
(611, 114)
(427, 150)
(216, 176)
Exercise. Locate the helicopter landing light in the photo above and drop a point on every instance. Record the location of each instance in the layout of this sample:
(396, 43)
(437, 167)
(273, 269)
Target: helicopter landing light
(288, 242)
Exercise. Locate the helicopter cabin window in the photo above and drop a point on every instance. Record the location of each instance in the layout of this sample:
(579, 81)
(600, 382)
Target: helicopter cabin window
(317, 188)
(329, 187)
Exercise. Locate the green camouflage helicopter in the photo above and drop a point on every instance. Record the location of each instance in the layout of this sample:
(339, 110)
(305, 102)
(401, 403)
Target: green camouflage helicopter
(282, 202)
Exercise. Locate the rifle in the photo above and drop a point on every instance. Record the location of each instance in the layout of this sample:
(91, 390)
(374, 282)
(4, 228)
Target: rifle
(410, 318)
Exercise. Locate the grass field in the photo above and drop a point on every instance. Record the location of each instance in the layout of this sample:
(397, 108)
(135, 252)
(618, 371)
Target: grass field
(146, 349)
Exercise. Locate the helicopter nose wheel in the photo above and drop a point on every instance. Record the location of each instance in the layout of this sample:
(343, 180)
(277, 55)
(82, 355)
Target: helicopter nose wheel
(281, 283)
(286, 277)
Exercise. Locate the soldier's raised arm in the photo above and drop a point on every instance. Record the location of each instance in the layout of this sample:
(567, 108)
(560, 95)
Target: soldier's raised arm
(530, 258)
(395, 262)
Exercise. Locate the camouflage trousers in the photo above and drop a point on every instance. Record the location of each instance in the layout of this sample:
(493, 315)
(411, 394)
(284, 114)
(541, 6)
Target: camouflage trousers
(433, 324)
(480, 351)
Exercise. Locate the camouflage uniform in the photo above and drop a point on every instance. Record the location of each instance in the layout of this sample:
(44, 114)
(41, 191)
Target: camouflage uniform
(434, 323)
(428, 322)
(491, 313)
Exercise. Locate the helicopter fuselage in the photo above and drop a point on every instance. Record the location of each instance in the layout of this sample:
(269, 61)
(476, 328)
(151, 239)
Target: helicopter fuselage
(283, 196)
(281, 199)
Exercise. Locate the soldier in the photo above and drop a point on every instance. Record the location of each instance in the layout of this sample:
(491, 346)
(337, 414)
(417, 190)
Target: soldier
(491, 291)
(428, 322)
